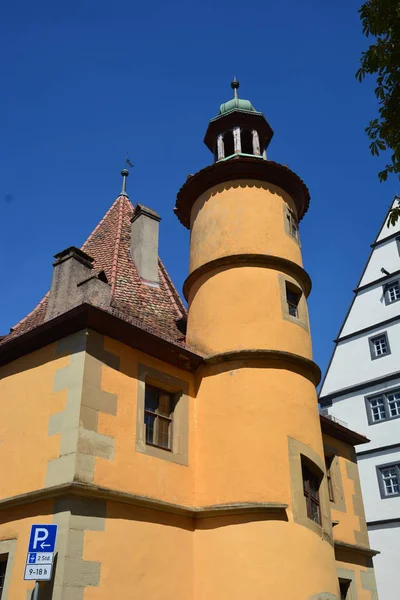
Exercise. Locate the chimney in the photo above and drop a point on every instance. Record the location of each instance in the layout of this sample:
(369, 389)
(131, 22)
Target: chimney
(74, 283)
(144, 243)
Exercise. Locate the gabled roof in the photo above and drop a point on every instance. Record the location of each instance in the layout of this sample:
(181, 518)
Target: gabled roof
(157, 308)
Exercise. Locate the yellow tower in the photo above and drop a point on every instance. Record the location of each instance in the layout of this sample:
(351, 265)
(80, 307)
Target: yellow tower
(259, 436)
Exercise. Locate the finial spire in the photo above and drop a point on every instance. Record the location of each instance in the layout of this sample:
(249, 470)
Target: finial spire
(235, 86)
(125, 174)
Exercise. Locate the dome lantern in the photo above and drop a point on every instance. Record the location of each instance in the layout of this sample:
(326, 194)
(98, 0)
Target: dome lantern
(238, 129)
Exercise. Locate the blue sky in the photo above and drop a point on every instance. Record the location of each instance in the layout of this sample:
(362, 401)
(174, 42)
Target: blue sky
(83, 83)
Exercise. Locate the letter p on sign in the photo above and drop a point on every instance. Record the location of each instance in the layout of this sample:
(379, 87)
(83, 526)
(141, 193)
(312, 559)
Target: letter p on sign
(43, 538)
(40, 535)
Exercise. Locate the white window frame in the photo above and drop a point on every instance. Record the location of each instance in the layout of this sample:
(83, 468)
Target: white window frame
(386, 291)
(381, 479)
(382, 337)
(387, 402)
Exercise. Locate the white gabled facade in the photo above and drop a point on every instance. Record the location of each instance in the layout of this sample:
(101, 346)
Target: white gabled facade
(362, 388)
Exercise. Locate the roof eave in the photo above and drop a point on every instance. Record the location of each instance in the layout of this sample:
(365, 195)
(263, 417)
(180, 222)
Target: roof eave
(239, 168)
(342, 433)
(87, 316)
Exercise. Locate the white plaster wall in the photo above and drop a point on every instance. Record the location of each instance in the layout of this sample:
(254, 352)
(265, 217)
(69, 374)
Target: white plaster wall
(369, 308)
(386, 256)
(377, 508)
(386, 539)
(352, 363)
(351, 409)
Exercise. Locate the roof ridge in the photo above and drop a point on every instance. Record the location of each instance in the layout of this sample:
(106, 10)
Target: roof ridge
(101, 222)
(114, 267)
(171, 290)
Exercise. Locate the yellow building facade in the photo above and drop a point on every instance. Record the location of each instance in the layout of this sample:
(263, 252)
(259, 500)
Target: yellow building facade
(182, 455)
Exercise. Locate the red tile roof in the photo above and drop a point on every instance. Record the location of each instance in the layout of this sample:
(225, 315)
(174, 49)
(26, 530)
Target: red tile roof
(156, 308)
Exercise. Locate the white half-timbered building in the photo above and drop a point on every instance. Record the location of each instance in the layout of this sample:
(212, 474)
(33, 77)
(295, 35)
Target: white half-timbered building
(362, 388)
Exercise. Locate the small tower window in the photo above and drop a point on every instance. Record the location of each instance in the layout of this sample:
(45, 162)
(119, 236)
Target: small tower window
(229, 145)
(345, 590)
(293, 230)
(247, 142)
(293, 299)
(329, 478)
(311, 483)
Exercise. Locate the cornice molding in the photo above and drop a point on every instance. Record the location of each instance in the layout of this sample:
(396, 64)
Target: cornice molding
(392, 236)
(367, 329)
(380, 522)
(327, 398)
(340, 432)
(252, 260)
(378, 449)
(378, 281)
(294, 361)
(339, 545)
(88, 490)
(107, 321)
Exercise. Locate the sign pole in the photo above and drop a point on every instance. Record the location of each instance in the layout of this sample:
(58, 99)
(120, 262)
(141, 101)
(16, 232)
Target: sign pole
(36, 591)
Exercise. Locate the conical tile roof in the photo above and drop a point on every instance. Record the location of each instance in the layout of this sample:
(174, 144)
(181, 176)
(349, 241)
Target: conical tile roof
(156, 308)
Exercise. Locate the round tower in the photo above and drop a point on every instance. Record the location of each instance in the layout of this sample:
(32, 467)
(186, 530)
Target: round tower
(259, 441)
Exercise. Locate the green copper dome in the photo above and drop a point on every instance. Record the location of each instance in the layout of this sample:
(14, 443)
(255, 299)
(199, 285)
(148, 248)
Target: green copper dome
(236, 104)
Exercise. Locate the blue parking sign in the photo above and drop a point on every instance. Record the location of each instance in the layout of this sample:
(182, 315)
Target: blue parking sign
(43, 538)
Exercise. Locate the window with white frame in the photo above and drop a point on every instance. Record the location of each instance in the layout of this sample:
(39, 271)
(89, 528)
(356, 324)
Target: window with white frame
(377, 409)
(393, 400)
(379, 346)
(389, 480)
(384, 407)
(392, 292)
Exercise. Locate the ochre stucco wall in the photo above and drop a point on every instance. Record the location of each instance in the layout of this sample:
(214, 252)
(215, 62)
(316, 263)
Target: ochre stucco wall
(143, 554)
(129, 470)
(359, 570)
(245, 412)
(240, 305)
(242, 308)
(261, 559)
(15, 524)
(351, 527)
(27, 401)
(239, 217)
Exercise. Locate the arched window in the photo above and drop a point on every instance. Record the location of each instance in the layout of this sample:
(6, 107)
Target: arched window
(229, 146)
(247, 142)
